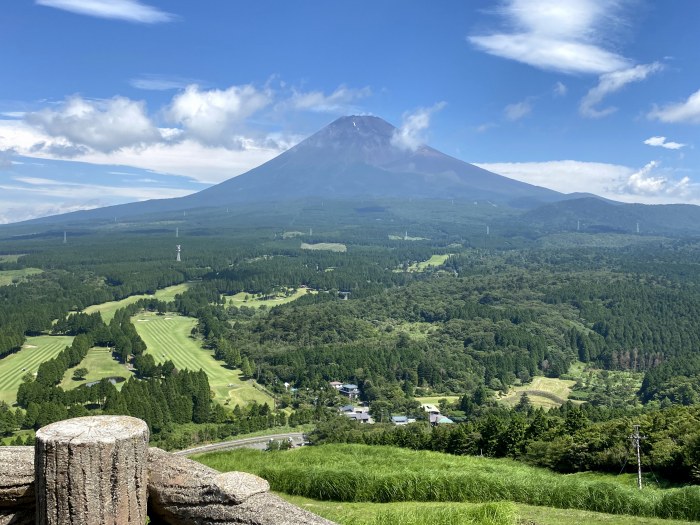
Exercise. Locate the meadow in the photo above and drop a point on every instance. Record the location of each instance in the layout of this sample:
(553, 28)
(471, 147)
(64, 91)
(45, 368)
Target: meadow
(330, 246)
(8, 277)
(435, 260)
(360, 473)
(35, 351)
(545, 392)
(108, 309)
(99, 363)
(168, 337)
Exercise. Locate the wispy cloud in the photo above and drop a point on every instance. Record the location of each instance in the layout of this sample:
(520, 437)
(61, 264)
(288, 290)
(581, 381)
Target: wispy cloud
(612, 82)
(560, 89)
(127, 10)
(340, 101)
(160, 82)
(661, 142)
(411, 134)
(687, 111)
(518, 110)
(553, 35)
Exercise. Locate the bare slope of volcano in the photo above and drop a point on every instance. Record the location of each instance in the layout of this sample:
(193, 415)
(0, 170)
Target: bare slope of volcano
(356, 157)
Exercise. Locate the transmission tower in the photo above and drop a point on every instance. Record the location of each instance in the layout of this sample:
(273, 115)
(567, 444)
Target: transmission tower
(178, 253)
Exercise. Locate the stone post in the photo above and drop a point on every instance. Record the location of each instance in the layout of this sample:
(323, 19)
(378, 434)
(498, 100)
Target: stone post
(92, 470)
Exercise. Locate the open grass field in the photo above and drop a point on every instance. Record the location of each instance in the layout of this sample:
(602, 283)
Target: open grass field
(256, 302)
(466, 513)
(107, 310)
(330, 246)
(15, 276)
(99, 363)
(11, 257)
(35, 351)
(546, 392)
(435, 400)
(168, 337)
(435, 260)
(404, 238)
(361, 473)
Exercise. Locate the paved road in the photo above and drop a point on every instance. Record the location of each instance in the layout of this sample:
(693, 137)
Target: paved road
(253, 442)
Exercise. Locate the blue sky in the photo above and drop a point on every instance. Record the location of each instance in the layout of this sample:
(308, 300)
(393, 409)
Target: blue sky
(110, 101)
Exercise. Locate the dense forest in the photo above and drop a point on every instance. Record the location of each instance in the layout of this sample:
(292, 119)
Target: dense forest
(491, 314)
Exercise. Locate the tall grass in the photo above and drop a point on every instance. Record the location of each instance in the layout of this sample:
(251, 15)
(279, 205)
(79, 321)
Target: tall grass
(384, 474)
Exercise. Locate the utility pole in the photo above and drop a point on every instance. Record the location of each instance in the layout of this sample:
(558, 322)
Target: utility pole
(636, 439)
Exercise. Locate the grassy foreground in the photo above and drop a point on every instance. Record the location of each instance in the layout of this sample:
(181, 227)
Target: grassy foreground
(463, 513)
(168, 337)
(35, 351)
(359, 473)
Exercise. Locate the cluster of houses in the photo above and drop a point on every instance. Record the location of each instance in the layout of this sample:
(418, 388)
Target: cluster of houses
(361, 412)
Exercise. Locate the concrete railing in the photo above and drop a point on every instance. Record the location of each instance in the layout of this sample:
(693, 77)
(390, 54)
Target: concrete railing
(99, 470)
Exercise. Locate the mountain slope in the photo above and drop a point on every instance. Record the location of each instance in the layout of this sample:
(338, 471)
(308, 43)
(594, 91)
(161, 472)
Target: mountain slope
(356, 157)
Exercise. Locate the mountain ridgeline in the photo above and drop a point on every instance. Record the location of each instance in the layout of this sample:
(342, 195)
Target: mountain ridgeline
(361, 160)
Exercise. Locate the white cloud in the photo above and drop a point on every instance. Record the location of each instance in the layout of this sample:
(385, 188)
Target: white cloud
(612, 181)
(647, 182)
(410, 135)
(560, 89)
(106, 125)
(128, 10)
(612, 82)
(518, 110)
(338, 101)
(211, 116)
(555, 35)
(661, 142)
(688, 111)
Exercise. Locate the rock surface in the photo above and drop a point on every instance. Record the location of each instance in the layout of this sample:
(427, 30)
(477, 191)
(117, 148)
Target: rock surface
(184, 492)
(16, 478)
(92, 470)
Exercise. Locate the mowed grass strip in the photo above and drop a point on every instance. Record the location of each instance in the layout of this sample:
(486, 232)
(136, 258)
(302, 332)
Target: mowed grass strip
(355, 473)
(36, 350)
(168, 337)
(99, 363)
(108, 309)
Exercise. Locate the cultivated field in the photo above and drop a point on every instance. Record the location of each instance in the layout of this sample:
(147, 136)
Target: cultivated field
(107, 310)
(256, 302)
(99, 363)
(546, 392)
(330, 246)
(168, 337)
(15, 276)
(35, 351)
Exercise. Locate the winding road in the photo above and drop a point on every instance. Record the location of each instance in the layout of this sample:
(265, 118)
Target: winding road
(259, 442)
